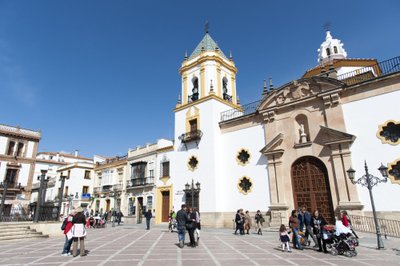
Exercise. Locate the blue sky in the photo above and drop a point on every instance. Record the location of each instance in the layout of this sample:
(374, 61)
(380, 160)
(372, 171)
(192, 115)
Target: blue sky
(102, 76)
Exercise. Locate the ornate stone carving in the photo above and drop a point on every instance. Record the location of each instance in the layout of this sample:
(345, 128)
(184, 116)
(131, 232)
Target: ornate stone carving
(296, 90)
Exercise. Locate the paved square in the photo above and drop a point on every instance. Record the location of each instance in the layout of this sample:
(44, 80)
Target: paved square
(132, 245)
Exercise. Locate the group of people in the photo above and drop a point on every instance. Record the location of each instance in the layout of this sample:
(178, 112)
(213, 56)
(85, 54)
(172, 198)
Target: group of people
(188, 219)
(243, 222)
(304, 225)
(74, 231)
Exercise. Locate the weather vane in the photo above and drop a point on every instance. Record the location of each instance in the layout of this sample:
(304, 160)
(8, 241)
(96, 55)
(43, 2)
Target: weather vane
(327, 26)
(206, 26)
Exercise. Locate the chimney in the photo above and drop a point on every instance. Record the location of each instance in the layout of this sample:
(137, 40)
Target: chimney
(76, 153)
(58, 157)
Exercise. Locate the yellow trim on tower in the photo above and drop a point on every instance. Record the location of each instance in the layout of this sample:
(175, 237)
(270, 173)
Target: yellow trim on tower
(202, 82)
(218, 81)
(233, 86)
(185, 95)
(217, 58)
(209, 97)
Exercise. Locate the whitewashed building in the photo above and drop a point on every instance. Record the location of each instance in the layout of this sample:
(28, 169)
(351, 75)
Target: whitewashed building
(18, 149)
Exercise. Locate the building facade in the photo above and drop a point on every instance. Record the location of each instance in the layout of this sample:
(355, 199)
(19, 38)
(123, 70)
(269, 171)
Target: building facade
(18, 149)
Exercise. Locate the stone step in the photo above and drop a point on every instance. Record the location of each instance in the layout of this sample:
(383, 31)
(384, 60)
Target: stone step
(4, 238)
(22, 233)
(25, 229)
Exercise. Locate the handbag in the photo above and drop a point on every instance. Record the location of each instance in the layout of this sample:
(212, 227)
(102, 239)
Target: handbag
(189, 226)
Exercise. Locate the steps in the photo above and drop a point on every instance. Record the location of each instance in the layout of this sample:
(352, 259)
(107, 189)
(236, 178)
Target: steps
(17, 231)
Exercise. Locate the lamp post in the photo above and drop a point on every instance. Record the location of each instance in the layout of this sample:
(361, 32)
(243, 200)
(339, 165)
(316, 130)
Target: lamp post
(192, 189)
(62, 179)
(70, 198)
(4, 185)
(43, 183)
(370, 181)
(115, 194)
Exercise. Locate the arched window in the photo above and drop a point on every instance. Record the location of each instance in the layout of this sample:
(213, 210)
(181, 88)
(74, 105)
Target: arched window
(335, 49)
(20, 148)
(225, 94)
(195, 90)
(10, 149)
(328, 51)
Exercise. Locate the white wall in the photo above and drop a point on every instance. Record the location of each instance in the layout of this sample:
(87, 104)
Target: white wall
(362, 119)
(251, 139)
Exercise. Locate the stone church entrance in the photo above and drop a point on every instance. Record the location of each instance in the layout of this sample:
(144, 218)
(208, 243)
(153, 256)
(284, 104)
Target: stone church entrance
(310, 185)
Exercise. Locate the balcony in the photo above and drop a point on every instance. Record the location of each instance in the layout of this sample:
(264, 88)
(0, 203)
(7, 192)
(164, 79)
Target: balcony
(106, 188)
(140, 182)
(97, 190)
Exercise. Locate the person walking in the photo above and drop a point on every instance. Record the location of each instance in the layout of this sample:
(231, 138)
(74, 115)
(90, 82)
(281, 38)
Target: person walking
(318, 222)
(148, 215)
(347, 222)
(78, 232)
(308, 227)
(238, 221)
(294, 225)
(119, 217)
(181, 220)
(247, 222)
(191, 227)
(300, 218)
(259, 222)
(284, 237)
(67, 224)
(198, 226)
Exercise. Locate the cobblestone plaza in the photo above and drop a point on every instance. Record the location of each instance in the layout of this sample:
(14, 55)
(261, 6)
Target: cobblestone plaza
(132, 245)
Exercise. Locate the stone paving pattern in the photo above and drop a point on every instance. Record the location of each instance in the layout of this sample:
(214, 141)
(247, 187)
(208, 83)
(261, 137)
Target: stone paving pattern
(132, 245)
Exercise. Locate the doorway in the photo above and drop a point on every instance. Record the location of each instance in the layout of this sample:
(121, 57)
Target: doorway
(311, 188)
(165, 206)
(140, 210)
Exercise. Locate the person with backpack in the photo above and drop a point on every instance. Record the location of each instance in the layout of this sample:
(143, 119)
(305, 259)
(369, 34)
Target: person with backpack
(66, 227)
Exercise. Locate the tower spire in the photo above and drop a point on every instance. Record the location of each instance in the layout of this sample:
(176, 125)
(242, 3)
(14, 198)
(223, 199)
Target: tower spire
(271, 86)
(206, 27)
(265, 89)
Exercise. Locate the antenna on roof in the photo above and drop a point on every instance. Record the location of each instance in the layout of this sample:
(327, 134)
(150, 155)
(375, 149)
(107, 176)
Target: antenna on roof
(327, 26)
(206, 26)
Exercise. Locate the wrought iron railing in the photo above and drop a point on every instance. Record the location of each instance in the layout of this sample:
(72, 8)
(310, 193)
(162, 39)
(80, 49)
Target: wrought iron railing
(366, 224)
(191, 136)
(137, 182)
(96, 190)
(238, 112)
(369, 72)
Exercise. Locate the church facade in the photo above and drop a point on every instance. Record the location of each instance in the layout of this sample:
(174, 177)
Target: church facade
(290, 149)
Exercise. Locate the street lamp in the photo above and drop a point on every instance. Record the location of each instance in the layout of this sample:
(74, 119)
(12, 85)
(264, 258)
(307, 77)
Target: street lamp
(42, 193)
(60, 196)
(115, 194)
(192, 190)
(370, 181)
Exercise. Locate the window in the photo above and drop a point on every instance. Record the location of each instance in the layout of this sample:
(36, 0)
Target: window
(10, 149)
(11, 177)
(245, 185)
(85, 190)
(149, 202)
(243, 157)
(151, 173)
(165, 169)
(195, 90)
(335, 49)
(193, 125)
(328, 51)
(87, 174)
(20, 148)
(138, 170)
(193, 162)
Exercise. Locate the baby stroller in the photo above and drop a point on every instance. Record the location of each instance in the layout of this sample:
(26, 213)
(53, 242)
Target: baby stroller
(171, 224)
(340, 245)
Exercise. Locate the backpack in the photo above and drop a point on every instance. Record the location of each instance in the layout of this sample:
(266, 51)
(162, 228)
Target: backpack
(64, 224)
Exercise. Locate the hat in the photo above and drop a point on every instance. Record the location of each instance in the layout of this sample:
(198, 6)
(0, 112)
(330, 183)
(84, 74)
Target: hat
(79, 209)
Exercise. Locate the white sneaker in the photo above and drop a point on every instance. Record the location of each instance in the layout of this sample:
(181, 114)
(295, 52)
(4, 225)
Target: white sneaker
(64, 254)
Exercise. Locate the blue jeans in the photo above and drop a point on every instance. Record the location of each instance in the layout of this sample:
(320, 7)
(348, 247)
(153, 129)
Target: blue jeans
(296, 241)
(181, 233)
(67, 245)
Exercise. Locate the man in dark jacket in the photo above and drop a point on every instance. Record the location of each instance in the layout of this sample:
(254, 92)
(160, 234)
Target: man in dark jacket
(181, 220)
(148, 216)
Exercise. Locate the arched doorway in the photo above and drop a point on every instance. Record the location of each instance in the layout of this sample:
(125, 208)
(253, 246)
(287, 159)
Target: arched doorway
(310, 185)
